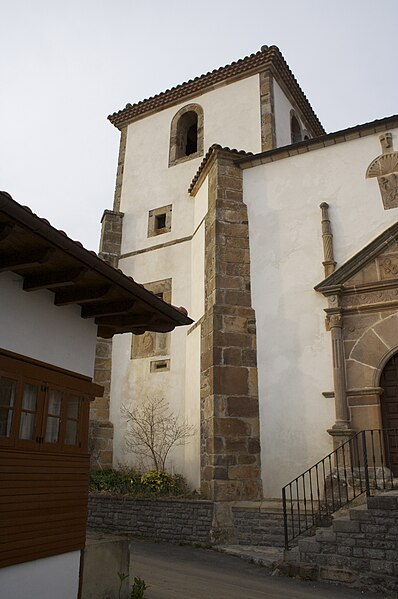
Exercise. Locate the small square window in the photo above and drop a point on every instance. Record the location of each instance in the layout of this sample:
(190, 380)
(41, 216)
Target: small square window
(159, 221)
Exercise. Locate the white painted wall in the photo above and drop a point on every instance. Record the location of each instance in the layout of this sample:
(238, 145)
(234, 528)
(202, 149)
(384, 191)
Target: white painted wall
(31, 325)
(56, 576)
(231, 118)
(132, 381)
(294, 350)
(282, 108)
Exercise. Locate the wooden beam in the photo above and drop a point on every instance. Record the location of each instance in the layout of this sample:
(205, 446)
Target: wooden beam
(126, 320)
(52, 279)
(80, 295)
(25, 258)
(107, 308)
(5, 230)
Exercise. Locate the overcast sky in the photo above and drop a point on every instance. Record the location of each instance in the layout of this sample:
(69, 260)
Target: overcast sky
(66, 65)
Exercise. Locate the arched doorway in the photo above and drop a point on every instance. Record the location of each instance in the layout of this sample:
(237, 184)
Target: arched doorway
(389, 410)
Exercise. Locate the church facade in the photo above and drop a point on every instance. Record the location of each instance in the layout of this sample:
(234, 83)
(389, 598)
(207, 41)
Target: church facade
(285, 253)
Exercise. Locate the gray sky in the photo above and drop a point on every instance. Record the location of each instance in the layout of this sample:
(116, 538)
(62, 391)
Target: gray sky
(66, 65)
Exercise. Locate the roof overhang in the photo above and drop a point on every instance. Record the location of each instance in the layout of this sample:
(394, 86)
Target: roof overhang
(48, 259)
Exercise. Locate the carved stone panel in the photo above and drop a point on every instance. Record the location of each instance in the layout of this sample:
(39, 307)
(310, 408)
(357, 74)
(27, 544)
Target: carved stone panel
(385, 168)
(153, 344)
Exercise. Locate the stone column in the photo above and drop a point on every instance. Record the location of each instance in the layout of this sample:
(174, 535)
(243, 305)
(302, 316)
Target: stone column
(327, 239)
(340, 431)
(230, 436)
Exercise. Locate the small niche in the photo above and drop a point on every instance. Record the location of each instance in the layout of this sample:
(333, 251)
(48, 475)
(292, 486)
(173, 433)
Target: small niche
(160, 365)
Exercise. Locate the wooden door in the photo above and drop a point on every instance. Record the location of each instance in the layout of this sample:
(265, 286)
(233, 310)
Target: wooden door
(389, 411)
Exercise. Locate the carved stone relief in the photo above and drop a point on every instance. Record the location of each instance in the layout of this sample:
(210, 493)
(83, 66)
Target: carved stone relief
(370, 298)
(153, 344)
(385, 168)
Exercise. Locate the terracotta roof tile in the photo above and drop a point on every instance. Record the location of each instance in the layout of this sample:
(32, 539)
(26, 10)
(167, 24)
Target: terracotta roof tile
(212, 150)
(268, 58)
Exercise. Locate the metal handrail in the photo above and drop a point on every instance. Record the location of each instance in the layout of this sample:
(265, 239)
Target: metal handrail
(361, 464)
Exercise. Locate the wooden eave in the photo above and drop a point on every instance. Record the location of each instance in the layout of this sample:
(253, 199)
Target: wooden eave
(48, 259)
(341, 275)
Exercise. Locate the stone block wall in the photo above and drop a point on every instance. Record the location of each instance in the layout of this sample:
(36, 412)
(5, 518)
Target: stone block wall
(255, 527)
(360, 550)
(230, 435)
(187, 521)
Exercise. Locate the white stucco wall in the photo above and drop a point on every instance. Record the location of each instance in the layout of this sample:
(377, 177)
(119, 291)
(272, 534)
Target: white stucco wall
(231, 118)
(132, 381)
(47, 578)
(31, 325)
(191, 456)
(294, 350)
(282, 108)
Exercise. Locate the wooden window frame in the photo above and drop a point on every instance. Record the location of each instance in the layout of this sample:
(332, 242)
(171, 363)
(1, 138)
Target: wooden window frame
(46, 377)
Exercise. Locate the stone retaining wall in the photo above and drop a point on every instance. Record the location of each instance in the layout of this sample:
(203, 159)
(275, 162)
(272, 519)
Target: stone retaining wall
(256, 527)
(167, 520)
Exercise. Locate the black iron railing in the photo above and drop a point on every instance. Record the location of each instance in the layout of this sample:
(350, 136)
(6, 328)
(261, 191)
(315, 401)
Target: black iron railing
(363, 464)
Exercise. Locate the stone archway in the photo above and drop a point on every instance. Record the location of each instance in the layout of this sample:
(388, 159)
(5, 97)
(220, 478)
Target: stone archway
(365, 362)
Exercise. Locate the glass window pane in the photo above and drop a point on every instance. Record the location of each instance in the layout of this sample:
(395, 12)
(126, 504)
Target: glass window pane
(7, 392)
(7, 400)
(27, 427)
(73, 406)
(71, 432)
(5, 422)
(28, 414)
(29, 400)
(52, 429)
(54, 402)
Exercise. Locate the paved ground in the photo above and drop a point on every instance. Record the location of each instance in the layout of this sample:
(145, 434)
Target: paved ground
(175, 572)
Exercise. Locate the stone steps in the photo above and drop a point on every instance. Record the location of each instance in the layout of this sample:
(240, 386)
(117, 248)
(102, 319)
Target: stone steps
(360, 548)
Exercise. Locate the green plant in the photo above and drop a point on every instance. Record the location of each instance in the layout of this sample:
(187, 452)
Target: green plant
(122, 577)
(162, 483)
(139, 588)
(115, 481)
(149, 484)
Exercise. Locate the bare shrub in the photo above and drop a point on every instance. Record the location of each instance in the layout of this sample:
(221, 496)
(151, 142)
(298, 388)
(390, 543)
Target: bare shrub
(153, 430)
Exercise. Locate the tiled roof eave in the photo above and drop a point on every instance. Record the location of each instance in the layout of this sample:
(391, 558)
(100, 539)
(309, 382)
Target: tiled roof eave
(212, 152)
(269, 59)
(317, 143)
